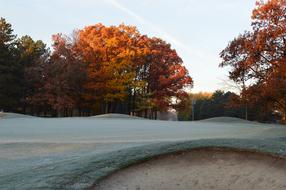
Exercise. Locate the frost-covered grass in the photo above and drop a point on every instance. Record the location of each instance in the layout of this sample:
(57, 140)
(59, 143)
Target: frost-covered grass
(72, 153)
(116, 116)
(226, 119)
(7, 115)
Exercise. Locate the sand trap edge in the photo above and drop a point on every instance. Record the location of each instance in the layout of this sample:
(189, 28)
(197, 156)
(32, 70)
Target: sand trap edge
(111, 179)
(255, 146)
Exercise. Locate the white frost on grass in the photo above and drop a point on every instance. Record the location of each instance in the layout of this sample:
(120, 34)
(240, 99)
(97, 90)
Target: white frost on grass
(121, 130)
(226, 119)
(32, 142)
(116, 116)
(6, 115)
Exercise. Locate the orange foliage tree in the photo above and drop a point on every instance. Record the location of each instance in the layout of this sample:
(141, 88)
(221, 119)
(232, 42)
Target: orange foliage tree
(109, 54)
(98, 69)
(124, 66)
(164, 74)
(64, 77)
(258, 57)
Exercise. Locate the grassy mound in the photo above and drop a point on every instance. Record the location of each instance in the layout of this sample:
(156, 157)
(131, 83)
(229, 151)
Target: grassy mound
(226, 119)
(5, 115)
(116, 116)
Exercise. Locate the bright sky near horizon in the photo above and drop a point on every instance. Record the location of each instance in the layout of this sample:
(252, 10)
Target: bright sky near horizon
(197, 29)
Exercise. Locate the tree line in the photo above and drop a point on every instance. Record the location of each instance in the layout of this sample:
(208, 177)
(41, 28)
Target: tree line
(104, 69)
(203, 105)
(257, 62)
(97, 69)
(257, 59)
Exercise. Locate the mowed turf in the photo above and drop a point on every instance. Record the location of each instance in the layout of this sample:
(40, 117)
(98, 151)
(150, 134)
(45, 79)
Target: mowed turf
(75, 153)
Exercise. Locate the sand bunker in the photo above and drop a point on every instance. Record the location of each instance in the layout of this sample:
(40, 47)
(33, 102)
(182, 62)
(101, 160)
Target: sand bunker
(208, 169)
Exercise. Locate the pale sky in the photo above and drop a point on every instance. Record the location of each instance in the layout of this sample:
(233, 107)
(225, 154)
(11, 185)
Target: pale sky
(197, 29)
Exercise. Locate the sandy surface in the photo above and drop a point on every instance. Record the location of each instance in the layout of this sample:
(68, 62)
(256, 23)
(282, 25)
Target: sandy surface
(202, 170)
